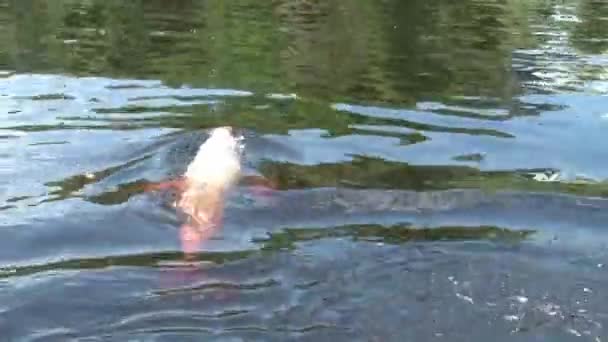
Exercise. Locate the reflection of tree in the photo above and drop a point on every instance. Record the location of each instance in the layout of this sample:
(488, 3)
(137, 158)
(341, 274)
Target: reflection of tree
(243, 42)
(126, 36)
(397, 234)
(591, 34)
(375, 173)
(473, 49)
(400, 50)
(392, 51)
(6, 35)
(30, 44)
(336, 48)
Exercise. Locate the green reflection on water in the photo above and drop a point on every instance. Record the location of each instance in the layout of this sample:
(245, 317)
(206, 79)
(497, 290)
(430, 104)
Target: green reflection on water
(286, 239)
(373, 51)
(392, 51)
(365, 172)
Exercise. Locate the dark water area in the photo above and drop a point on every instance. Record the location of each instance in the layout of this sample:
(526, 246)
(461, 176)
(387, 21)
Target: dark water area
(441, 170)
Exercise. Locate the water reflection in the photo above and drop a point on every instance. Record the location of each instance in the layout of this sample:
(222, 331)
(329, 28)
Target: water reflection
(285, 46)
(437, 164)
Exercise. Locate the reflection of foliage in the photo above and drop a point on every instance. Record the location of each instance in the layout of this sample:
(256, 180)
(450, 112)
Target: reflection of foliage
(376, 173)
(395, 51)
(336, 48)
(74, 184)
(287, 238)
(591, 34)
(362, 172)
(126, 35)
(32, 44)
(137, 260)
(371, 51)
(268, 116)
(282, 240)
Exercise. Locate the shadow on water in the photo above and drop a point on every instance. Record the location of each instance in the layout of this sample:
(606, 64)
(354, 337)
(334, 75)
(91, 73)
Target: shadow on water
(479, 123)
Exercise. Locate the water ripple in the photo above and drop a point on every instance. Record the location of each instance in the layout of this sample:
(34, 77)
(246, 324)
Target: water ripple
(437, 165)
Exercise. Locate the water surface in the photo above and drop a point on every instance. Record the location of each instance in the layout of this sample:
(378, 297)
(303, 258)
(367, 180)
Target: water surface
(440, 167)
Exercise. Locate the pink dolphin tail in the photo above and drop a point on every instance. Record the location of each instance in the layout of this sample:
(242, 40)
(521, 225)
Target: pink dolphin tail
(178, 184)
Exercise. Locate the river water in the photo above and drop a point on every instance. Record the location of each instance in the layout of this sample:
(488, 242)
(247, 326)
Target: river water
(440, 170)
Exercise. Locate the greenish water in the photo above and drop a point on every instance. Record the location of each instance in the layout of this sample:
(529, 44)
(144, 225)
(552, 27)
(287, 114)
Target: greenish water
(440, 169)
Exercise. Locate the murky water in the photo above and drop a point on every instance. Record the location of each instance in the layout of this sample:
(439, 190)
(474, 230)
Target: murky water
(440, 170)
